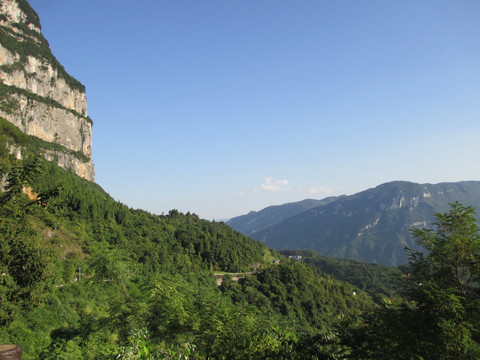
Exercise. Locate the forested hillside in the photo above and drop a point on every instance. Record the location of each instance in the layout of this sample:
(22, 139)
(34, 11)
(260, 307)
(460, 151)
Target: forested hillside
(87, 277)
(377, 280)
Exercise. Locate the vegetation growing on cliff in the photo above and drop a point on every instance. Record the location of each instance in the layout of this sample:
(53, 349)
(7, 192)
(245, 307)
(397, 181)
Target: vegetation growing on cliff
(28, 42)
(32, 16)
(6, 91)
(10, 134)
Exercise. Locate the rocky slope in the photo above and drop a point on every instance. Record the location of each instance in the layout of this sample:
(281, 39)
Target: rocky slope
(38, 96)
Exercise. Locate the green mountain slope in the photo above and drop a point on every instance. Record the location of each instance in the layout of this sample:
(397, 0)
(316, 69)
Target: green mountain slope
(373, 225)
(377, 280)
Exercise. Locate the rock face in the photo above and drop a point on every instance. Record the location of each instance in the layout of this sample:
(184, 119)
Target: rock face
(36, 93)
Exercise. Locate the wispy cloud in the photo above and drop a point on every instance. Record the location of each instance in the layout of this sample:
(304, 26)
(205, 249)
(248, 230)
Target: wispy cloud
(270, 184)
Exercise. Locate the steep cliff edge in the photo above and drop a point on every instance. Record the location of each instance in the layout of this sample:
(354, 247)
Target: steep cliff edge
(38, 96)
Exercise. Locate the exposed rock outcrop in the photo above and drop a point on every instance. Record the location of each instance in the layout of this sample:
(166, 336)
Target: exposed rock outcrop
(36, 93)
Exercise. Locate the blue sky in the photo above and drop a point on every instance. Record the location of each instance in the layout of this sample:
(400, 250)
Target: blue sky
(219, 107)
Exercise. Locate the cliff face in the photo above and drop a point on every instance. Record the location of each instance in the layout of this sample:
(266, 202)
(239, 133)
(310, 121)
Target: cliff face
(36, 93)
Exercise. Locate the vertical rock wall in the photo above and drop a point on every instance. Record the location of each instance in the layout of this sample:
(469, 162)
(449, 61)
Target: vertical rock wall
(36, 93)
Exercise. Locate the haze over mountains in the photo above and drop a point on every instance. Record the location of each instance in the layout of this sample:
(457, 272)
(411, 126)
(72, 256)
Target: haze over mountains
(373, 225)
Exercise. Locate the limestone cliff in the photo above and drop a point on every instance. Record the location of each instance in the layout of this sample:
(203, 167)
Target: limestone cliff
(36, 93)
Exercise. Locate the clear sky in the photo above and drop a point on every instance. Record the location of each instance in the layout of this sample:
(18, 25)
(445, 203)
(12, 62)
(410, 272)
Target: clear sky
(220, 107)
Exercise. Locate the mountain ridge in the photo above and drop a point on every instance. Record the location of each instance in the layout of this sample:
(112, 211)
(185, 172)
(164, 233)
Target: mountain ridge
(372, 225)
(256, 221)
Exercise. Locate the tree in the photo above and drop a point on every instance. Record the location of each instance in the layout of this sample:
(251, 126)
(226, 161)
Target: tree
(453, 253)
(439, 314)
(19, 176)
(443, 283)
(27, 264)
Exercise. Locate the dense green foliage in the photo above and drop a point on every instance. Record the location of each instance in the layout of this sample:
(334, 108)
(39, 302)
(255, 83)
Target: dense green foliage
(298, 293)
(377, 280)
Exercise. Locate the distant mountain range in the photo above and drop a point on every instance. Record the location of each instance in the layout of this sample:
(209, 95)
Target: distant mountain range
(256, 221)
(373, 225)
